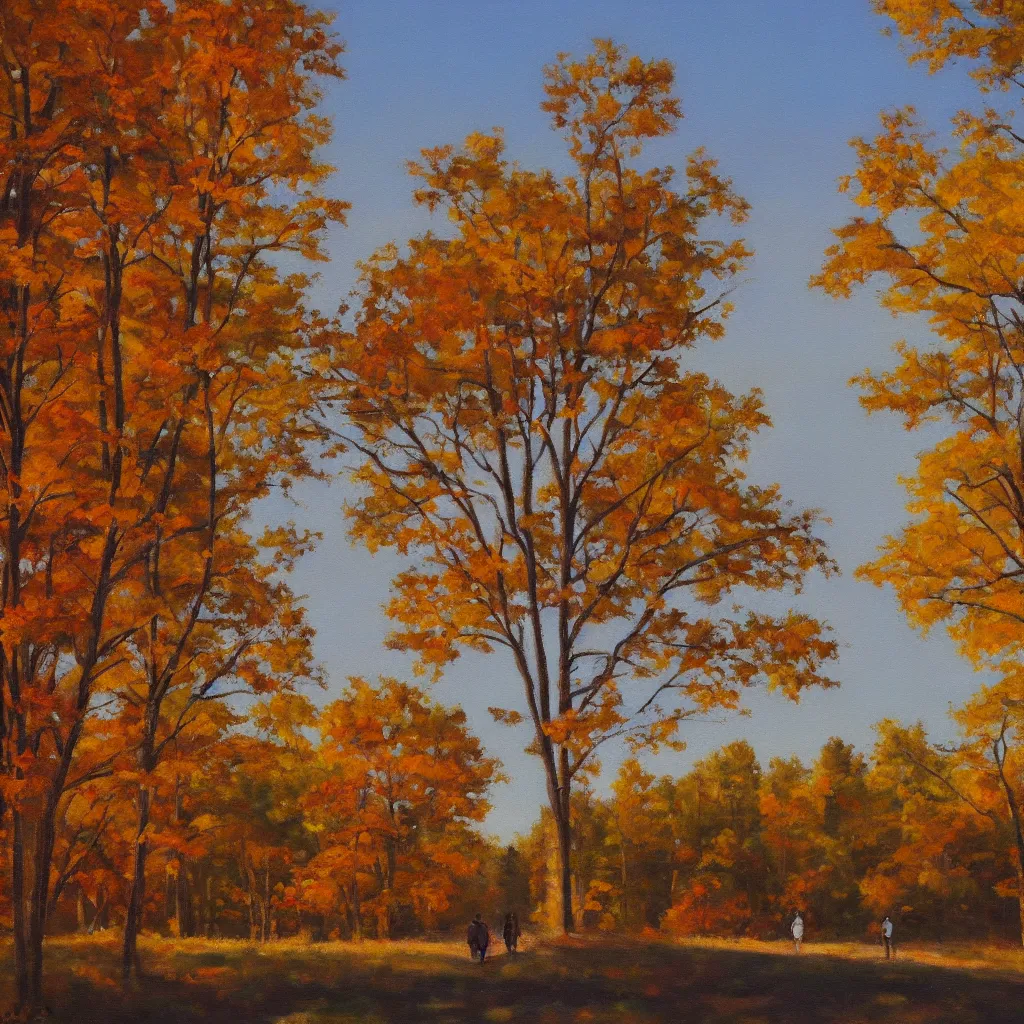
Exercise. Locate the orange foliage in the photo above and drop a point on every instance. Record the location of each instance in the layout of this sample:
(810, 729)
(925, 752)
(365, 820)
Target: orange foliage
(705, 910)
(531, 430)
(401, 783)
(158, 156)
(941, 228)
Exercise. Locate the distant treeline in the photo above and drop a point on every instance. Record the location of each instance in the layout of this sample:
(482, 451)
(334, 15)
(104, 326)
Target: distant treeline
(362, 820)
(916, 831)
(357, 819)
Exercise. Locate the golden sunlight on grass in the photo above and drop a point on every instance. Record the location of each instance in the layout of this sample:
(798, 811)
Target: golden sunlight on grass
(968, 956)
(590, 981)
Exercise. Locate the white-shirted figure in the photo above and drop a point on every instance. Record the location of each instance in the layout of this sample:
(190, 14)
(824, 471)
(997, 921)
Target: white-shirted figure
(797, 928)
(887, 936)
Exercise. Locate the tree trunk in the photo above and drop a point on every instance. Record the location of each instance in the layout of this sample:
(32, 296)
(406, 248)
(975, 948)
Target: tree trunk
(18, 909)
(265, 930)
(101, 907)
(565, 870)
(392, 868)
(208, 923)
(80, 912)
(558, 800)
(45, 837)
(999, 752)
(622, 874)
(170, 902)
(183, 902)
(137, 891)
(182, 895)
(357, 910)
(1020, 901)
(250, 884)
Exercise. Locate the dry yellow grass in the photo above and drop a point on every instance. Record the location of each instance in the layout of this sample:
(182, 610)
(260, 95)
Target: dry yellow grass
(963, 955)
(575, 981)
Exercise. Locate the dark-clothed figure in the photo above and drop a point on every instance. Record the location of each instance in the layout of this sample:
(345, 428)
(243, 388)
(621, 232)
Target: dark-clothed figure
(478, 937)
(483, 937)
(510, 932)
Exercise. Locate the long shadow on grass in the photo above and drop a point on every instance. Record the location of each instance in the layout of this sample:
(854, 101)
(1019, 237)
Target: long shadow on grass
(633, 982)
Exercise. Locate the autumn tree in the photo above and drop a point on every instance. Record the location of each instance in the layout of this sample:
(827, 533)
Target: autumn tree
(403, 784)
(513, 881)
(940, 231)
(151, 384)
(993, 729)
(957, 562)
(244, 824)
(966, 788)
(641, 831)
(534, 431)
(843, 837)
(65, 513)
(941, 236)
(720, 857)
(787, 829)
(945, 849)
(238, 129)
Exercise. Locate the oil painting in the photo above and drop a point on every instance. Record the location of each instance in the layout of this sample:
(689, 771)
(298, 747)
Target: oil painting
(511, 512)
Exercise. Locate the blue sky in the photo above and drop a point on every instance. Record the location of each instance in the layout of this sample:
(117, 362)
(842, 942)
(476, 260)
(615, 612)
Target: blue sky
(774, 91)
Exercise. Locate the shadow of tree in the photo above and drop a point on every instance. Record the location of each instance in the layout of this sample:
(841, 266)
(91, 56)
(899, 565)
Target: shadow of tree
(594, 982)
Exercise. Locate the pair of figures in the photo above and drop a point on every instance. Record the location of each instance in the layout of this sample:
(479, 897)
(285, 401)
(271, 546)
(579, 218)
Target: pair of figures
(478, 936)
(797, 931)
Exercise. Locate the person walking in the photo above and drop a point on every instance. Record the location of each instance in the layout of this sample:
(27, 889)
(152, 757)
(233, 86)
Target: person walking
(797, 930)
(887, 936)
(510, 932)
(483, 937)
(473, 937)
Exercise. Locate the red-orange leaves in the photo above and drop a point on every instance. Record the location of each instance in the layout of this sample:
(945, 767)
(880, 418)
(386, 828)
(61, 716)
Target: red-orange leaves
(402, 783)
(159, 158)
(943, 235)
(531, 430)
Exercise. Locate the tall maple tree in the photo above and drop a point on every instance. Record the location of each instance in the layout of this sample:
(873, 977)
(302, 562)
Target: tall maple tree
(942, 233)
(533, 430)
(158, 155)
(237, 132)
(64, 509)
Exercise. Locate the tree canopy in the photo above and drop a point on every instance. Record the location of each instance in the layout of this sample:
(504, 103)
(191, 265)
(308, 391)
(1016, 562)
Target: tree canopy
(532, 427)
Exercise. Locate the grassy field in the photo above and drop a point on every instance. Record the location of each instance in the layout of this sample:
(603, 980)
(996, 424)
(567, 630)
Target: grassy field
(547, 983)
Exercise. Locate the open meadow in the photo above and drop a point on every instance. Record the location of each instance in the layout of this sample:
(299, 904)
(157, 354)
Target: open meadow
(547, 983)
